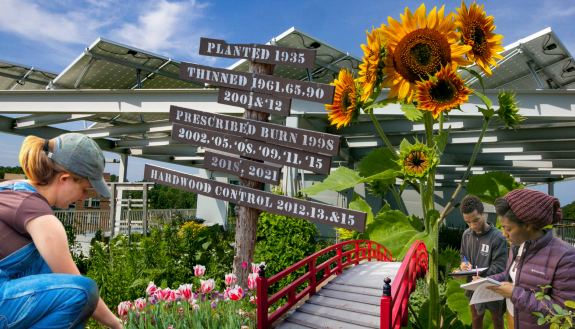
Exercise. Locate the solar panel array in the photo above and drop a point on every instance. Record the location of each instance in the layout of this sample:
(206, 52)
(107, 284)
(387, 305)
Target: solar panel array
(22, 77)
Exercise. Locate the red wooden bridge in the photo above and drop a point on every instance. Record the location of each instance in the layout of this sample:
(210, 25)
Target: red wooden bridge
(357, 298)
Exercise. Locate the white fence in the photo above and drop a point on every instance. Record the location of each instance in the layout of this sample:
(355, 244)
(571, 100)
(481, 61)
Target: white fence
(90, 221)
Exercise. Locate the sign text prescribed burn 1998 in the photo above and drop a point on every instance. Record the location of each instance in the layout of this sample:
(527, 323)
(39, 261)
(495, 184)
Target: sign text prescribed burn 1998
(249, 148)
(269, 202)
(267, 84)
(262, 131)
(259, 53)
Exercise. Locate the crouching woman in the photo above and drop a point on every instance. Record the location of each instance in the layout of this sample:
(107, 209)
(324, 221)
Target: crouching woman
(40, 285)
(536, 257)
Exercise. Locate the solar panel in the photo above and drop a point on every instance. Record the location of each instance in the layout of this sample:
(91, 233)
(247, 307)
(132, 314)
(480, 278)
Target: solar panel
(551, 61)
(329, 59)
(110, 65)
(22, 77)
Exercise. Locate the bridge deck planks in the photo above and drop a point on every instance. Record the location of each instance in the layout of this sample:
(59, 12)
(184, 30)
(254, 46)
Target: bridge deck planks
(351, 300)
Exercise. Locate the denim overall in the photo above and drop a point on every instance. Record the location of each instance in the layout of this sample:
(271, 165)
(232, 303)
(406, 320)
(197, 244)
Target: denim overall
(31, 296)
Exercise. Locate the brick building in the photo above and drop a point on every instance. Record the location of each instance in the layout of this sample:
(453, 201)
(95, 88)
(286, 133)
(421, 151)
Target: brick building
(94, 201)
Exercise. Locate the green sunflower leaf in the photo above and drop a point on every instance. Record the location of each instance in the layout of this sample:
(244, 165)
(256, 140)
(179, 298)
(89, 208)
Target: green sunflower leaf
(404, 146)
(377, 161)
(459, 303)
(344, 178)
(412, 113)
(492, 185)
(381, 103)
(484, 99)
(396, 232)
(359, 204)
(441, 141)
(475, 74)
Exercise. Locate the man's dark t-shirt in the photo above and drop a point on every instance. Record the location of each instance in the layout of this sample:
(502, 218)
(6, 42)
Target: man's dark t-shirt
(19, 203)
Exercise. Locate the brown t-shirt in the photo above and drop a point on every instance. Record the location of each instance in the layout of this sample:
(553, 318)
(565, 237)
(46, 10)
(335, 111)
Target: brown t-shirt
(19, 203)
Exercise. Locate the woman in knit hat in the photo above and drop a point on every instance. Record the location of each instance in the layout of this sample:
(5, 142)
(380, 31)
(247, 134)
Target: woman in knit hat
(536, 257)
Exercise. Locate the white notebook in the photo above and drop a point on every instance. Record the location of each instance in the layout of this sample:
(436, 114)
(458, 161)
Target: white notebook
(481, 294)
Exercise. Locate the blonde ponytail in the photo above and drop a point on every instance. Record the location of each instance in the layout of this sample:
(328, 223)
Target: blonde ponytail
(34, 160)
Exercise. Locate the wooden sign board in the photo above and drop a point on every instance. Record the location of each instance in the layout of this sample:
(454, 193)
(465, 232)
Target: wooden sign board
(259, 53)
(269, 202)
(255, 101)
(266, 132)
(243, 168)
(266, 84)
(284, 156)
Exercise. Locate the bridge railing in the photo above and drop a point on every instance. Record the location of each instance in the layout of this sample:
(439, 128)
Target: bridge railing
(394, 303)
(362, 249)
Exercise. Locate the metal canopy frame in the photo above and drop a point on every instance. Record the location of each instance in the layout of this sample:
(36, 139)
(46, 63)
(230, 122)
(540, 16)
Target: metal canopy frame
(134, 121)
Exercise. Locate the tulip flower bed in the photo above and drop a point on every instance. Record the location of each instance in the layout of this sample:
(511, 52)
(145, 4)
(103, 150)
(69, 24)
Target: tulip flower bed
(185, 308)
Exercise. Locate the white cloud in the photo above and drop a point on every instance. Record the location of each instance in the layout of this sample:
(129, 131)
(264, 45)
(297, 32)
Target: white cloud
(36, 23)
(165, 27)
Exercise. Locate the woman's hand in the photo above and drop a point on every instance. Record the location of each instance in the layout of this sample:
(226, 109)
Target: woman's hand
(505, 290)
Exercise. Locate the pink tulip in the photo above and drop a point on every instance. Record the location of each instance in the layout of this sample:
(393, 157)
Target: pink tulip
(186, 291)
(230, 279)
(199, 270)
(173, 295)
(207, 286)
(140, 304)
(256, 267)
(252, 284)
(253, 300)
(123, 308)
(163, 295)
(236, 293)
(151, 288)
(196, 307)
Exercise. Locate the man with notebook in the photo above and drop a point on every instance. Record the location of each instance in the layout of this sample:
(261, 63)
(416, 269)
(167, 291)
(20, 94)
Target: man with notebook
(482, 246)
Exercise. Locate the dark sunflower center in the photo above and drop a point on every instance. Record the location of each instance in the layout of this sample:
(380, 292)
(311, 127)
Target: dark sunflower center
(443, 91)
(416, 161)
(346, 102)
(420, 53)
(477, 35)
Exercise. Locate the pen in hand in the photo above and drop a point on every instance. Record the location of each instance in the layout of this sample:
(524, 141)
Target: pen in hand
(465, 258)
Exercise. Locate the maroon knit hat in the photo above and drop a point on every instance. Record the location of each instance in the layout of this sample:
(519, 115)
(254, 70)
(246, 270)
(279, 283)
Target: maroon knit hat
(534, 208)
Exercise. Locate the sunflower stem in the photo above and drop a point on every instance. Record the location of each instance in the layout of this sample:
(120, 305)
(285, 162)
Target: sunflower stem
(422, 192)
(398, 199)
(430, 190)
(441, 122)
(382, 134)
(447, 209)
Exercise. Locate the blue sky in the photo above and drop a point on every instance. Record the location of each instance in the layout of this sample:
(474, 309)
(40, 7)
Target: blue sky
(50, 34)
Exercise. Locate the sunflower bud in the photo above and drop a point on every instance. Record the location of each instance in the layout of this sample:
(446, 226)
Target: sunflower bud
(508, 111)
(416, 160)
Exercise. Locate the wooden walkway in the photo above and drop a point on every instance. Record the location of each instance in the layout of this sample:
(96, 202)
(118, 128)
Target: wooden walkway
(349, 301)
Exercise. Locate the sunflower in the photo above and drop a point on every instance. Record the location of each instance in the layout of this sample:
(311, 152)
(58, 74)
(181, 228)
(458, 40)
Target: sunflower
(443, 92)
(416, 53)
(508, 111)
(416, 160)
(346, 104)
(371, 61)
(478, 33)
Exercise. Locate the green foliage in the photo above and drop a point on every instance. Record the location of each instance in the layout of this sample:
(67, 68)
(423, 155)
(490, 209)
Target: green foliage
(458, 302)
(377, 161)
(475, 74)
(508, 111)
(344, 178)
(558, 317)
(569, 211)
(395, 231)
(122, 269)
(492, 185)
(450, 236)
(411, 112)
(165, 197)
(441, 141)
(283, 241)
(10, 170)
(449, 259)
(381, 103)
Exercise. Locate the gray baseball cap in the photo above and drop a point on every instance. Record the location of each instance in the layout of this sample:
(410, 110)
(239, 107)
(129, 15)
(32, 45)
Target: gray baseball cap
(82, 156)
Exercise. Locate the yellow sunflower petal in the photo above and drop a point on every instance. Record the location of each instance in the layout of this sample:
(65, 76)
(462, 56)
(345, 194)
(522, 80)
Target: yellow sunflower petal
(420, 15)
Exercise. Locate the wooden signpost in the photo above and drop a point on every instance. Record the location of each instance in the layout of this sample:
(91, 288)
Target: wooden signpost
(266, 132)
(266, 84)
(243, 168)
(255, 101)
(255, 141)
(259, 53)
(265, 201)
(315, 162)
